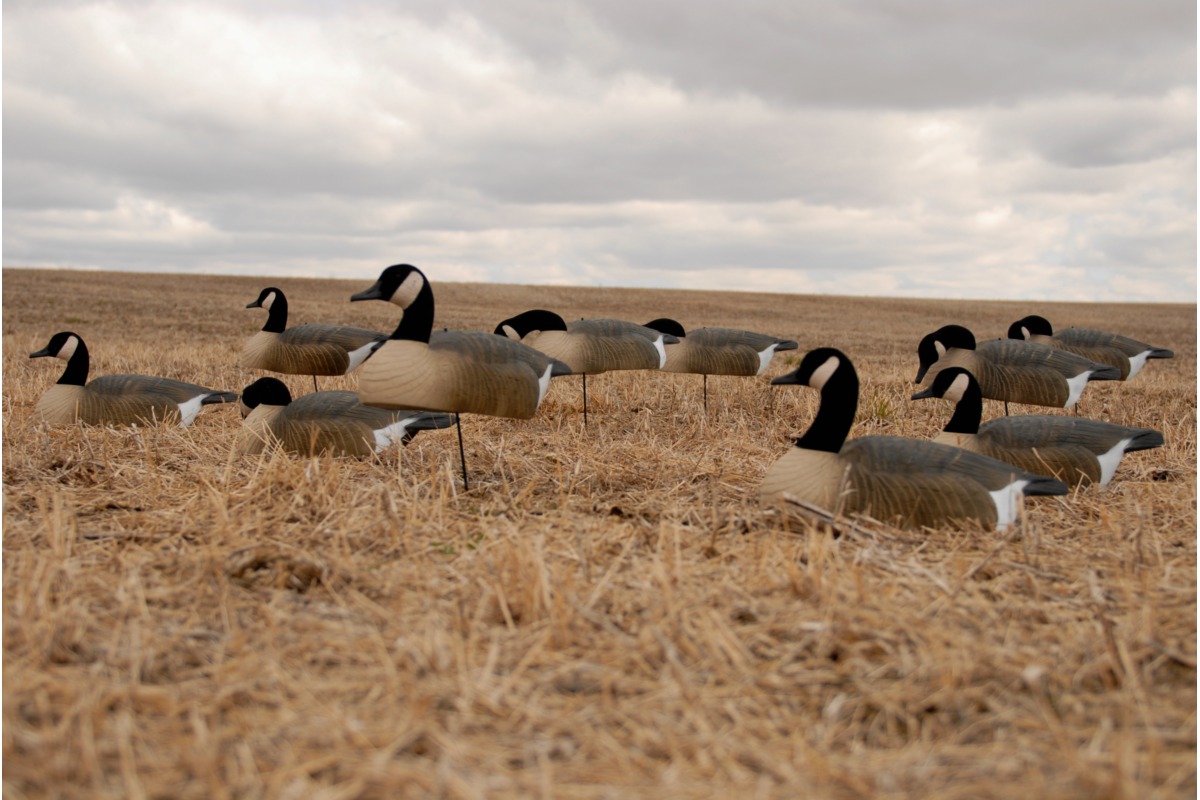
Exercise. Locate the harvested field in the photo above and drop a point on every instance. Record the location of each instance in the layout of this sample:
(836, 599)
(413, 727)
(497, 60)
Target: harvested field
(606, 612)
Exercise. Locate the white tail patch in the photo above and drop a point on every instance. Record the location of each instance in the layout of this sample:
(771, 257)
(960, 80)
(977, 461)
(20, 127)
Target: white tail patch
(408, 290)
(358, 356)
(189, 409)
(822, 373)
(1008, 503)
(544, 383)
(1075, 387)
(662, 352)
(386, 436)
(1111, 460)
(1136, 363)
(764, 358)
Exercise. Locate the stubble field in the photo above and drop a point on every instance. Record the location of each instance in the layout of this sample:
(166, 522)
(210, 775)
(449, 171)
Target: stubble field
(607, 612)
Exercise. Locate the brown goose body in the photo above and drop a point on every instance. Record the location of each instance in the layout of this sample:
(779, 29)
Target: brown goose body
(309, 349)
(589, 346)
(897, 480)
(326, 422)
(1126, 354)
(463, 371)
(719, 351)
(116, 399)
(1010, 370)
(1077, 451)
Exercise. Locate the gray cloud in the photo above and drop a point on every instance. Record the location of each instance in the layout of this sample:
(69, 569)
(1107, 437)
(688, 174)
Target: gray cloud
(919, 148)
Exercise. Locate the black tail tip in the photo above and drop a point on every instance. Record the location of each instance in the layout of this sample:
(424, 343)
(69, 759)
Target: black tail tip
(219, 397)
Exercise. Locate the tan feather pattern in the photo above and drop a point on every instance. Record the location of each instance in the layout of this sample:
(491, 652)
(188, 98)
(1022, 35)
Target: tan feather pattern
(324, 422)
(461, 371)
(1013, 384)
(310, 349)
(117, 400)
(593, 346)
(719, 351)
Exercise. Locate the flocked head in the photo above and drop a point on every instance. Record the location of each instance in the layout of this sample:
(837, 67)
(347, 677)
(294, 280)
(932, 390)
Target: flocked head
(62, 345)
(399, 284)
(267, 298)
(1033, 325)
(525, 323)
(951, 384)
(935, 345)
(816, 369)
(265, 392)
(668, 326)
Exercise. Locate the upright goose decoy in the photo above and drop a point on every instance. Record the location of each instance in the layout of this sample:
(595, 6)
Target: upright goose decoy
(909, 482)
(326, 422)
(116, 399)
(1012, 371)
(457, 371)
(1126, 354)
(719, 351)
(589, 346)
(1074, 449)
(310, 349)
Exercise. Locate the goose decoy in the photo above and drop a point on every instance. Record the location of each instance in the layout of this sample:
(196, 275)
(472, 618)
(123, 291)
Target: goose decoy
(1009, 370)
(116, 399)
(1073, 449)
(1127, 355)
(310, 349)
(333, 422)
(719, 351)
(456, 371)
(909, 482)
(589, 346)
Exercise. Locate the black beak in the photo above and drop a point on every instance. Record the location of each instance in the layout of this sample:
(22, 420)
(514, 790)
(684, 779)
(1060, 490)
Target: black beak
(45, 351)
(374, 293)
(791, 379)
(922, 395)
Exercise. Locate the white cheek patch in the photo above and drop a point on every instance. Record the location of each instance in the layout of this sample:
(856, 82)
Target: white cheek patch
(268, 300)
(1025, 334)
(941, 349)
(408, 290)
(68, 348)
(822, 373)
(510, 332)
(958, 387)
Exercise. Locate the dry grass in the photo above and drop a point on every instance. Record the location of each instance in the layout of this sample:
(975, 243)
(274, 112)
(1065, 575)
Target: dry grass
(607, 612)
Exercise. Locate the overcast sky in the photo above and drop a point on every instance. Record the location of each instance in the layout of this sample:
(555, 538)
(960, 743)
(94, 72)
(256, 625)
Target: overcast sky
(1028, 149)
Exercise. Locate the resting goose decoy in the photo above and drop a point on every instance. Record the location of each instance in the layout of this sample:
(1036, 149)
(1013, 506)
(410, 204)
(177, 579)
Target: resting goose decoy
(908, 482)
(719, 351)
(1009, 370)
(326, 422)
(1074, 449)
(310, 349)
(116, 399)
(1126, 354)
(589, 346)
(457, 371)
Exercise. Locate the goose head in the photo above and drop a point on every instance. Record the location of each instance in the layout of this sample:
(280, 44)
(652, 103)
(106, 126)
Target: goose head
(1028, 327)
(950, 384)
(668, 326)
(267, 298)
(935, 345)
(538, 319)
(407, 287)
(831, 372)
(62, 345)
(264, 392)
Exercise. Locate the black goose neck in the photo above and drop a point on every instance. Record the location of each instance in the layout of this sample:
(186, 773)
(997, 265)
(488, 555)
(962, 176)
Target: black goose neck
(77, 366)
(417, 322)
(839, 402)
(967, 411)
(277, 314)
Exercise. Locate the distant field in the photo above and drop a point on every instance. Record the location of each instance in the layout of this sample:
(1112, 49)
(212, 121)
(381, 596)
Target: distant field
(607, 612)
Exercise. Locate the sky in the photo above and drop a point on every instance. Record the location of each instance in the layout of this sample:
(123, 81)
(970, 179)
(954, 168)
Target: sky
(927, 148)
